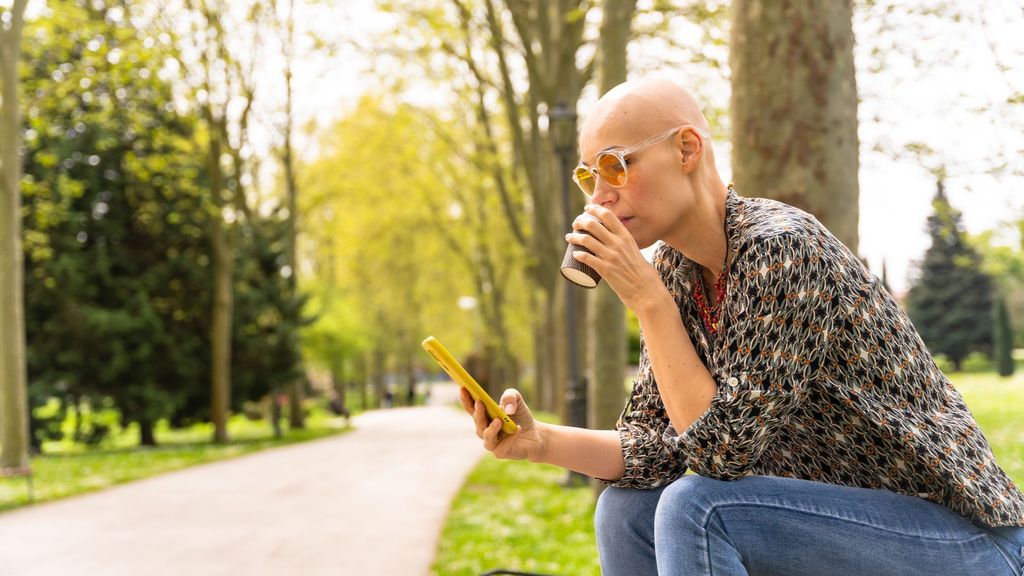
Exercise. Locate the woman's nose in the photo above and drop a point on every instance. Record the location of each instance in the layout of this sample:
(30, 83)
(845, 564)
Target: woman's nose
(604, 193)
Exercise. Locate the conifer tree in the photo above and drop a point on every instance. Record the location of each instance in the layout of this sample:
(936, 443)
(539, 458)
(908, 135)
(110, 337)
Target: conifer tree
(885, 277)
(1003, 339)
(951, 301)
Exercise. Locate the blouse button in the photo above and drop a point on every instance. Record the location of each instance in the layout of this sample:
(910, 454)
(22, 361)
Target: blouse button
(733, 381)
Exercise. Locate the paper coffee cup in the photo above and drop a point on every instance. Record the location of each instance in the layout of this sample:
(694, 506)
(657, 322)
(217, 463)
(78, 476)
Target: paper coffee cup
(575, 271)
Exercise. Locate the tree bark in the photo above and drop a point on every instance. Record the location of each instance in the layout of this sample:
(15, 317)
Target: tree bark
(542, 358)
(223, 261)
(339, 383)
(216, 57)
(794, 108)
(14, 454)
(297, 416)
(363, 379)
(550, 35)
(220, 333)
(146, 435)
(608, 350)
(378, 368)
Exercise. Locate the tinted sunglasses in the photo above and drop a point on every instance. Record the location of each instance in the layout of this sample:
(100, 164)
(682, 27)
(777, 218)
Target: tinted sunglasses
(611, 164)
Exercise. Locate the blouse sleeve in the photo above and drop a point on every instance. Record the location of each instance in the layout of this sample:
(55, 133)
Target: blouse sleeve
(782, 305)
(650, 460)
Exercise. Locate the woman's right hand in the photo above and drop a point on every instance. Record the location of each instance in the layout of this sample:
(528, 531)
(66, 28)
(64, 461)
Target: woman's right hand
(526, 444)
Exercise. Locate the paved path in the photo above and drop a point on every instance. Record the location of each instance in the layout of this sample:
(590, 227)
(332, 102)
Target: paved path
(367, 503)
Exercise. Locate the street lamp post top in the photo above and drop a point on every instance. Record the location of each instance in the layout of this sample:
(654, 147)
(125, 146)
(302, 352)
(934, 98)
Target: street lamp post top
(562, 123)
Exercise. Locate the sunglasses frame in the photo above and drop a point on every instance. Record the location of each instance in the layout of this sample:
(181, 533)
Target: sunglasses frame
(621, 153)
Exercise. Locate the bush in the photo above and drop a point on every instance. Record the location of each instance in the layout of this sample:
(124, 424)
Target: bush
(977, 362)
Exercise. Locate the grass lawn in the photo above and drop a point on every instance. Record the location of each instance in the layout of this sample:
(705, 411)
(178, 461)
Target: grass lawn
(515, 515)
(998, 406)
(67, 469)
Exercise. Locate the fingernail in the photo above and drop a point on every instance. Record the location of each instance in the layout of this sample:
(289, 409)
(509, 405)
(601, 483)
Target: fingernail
(509, 408)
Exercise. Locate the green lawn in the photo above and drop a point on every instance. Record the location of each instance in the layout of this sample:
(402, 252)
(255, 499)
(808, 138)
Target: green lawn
(68, 469)
(515, 515)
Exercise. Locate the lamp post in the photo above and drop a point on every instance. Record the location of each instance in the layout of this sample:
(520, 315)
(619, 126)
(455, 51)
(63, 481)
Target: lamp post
(562, 125)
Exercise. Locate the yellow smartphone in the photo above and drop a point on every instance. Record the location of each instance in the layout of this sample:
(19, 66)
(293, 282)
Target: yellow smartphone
(462, 378)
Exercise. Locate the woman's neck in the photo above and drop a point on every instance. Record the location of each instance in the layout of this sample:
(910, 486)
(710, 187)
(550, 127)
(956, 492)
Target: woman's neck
(702, 234)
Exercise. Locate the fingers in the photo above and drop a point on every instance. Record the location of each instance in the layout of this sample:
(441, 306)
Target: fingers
(587, 241)
(475, 409)
(591, 224)
(466, 400)
(596, 229)
(490, 435)
(486, 431)
(510, 401)
(490, 429)
(605, 217)
(480, 418)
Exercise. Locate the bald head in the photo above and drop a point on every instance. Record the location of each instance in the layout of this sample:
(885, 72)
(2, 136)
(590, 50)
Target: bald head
(639, 109)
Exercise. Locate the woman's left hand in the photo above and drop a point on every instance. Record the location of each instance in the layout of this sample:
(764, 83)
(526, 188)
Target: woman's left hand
(616, 257)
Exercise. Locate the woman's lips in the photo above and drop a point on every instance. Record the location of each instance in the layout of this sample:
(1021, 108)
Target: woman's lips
(626, 220)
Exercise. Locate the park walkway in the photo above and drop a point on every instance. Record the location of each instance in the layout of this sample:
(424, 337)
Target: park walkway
(367, 503)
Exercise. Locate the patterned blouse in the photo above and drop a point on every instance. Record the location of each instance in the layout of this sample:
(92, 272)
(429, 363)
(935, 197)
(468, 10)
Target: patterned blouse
(821, 376)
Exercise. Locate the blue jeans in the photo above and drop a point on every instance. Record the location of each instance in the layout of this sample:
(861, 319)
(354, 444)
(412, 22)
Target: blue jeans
(765, 526)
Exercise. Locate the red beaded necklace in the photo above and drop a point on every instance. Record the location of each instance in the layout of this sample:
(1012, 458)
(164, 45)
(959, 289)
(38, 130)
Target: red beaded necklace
(709, 314)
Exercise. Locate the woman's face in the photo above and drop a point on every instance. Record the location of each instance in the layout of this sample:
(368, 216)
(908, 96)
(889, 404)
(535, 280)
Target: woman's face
(656, 194)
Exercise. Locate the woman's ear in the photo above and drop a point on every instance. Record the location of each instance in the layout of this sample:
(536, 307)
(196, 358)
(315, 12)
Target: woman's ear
(692, 148)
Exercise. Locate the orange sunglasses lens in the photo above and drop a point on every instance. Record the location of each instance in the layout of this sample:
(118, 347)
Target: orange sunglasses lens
(611, 169)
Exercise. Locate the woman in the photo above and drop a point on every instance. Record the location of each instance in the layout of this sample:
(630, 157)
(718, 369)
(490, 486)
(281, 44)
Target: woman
(823, 438)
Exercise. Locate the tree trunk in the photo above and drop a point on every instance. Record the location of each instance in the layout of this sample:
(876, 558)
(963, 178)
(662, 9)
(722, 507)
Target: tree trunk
(340, 385)
(1003, 339)
(362, 378)
(559, 350)
(550, 34)
(223, 302)
(607, 355)
(794, 108)
(146, 436)
(220, 335)
(297, 416)
(13, 376)
(296, 412)
(542, 355)
(378, 368)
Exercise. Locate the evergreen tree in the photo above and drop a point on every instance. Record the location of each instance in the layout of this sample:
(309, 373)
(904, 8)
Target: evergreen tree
(114, 249)
(885, 277)
(117, 246)
(1003, 339)
(951, 301)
